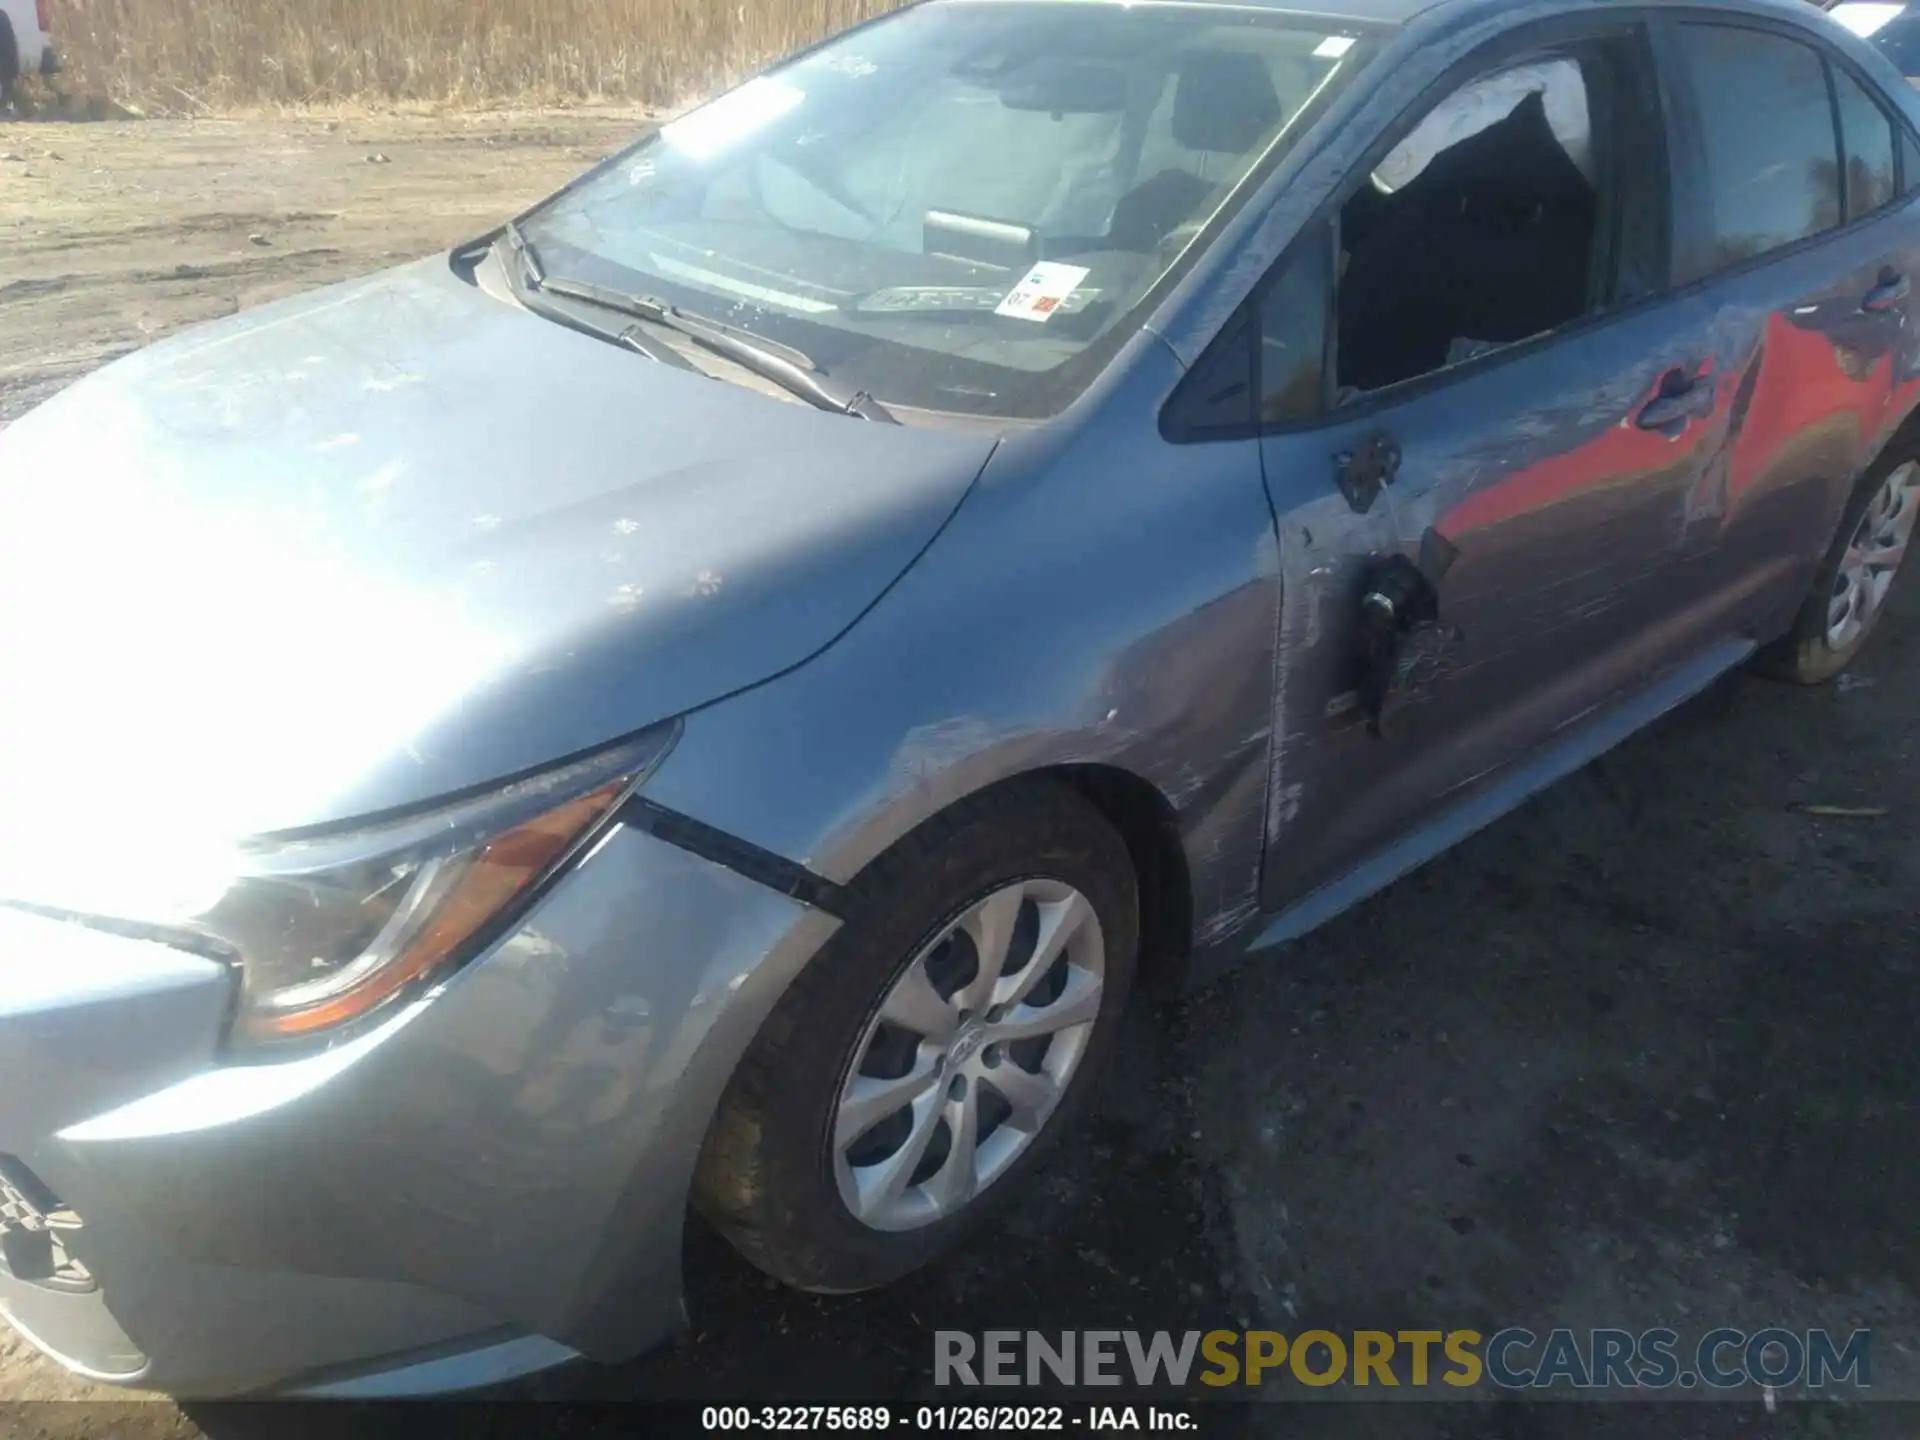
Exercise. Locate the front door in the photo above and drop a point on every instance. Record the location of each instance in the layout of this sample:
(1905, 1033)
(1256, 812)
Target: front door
(1501, 333)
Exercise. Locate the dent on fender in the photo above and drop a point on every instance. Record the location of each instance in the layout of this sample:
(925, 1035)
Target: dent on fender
(966, 678)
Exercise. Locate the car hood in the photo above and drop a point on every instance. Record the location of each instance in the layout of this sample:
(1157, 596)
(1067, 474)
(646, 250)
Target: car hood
(396, 539)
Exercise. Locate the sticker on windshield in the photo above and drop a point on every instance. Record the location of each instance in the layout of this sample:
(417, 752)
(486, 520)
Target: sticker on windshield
(1040, 294)
(954, 300)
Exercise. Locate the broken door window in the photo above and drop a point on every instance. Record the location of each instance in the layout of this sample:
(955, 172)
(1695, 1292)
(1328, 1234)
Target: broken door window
(1484, 103)
(1507, 212)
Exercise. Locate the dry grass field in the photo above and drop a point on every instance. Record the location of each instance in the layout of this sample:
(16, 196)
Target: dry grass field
(198, 56)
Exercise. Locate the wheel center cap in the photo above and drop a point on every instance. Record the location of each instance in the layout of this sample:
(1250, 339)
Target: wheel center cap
(967, 1044)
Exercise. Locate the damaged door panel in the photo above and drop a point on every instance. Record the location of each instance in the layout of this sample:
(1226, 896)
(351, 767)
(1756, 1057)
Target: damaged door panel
(1565, 521)
(1400, 625)
(1524, 557)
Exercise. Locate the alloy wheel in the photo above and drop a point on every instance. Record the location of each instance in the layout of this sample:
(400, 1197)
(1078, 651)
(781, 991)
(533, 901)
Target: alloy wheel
(968, 1055)
(1873, 556)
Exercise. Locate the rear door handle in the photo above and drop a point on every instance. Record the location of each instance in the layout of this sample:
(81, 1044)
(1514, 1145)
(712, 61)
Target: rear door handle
(1682, 397)
(1891, 290)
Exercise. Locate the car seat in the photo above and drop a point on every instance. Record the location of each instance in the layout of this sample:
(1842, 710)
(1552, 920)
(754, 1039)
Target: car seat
(1490, 243)
(1224, 103)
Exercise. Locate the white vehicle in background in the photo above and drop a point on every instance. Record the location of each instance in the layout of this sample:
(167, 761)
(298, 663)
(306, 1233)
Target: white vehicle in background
(1895, 29)
(25, 48)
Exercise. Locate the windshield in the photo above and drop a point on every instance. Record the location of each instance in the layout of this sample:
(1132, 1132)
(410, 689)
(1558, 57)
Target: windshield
(960, 207)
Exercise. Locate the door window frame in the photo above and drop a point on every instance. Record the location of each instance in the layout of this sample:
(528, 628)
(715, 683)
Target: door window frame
(1637, 28)
(1692, 216)
(1838, 67)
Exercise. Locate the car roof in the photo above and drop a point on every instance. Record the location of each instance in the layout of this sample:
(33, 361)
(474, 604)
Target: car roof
(1334, 12)
(1363, 12)
(1375, 12)
(1391, 15)
(1399, 12)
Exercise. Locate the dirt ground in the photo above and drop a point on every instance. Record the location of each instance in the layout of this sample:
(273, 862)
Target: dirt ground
(1643, 1053)
(114, 234)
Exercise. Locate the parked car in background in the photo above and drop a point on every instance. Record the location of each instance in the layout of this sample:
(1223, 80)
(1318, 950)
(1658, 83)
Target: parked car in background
(1895, 29)
(25, 48)
(716, 692)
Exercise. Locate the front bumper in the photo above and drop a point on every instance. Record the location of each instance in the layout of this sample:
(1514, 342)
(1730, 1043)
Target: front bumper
(492, 1180)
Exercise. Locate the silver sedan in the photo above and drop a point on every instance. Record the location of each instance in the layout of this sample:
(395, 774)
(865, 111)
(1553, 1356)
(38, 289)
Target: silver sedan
(715, 693)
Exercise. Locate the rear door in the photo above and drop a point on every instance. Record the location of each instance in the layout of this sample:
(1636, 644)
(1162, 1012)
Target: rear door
(1796, 238)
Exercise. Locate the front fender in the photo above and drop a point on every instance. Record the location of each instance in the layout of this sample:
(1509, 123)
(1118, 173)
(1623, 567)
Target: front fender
(1101, 597)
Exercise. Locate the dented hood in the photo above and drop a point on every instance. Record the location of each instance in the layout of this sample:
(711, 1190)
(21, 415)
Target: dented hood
(398, 538)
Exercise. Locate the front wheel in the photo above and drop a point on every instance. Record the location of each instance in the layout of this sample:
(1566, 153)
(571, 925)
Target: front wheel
(936, 1050)
(1850, 589)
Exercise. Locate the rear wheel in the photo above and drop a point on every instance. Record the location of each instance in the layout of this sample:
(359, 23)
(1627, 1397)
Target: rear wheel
(933, 1054)
(1849, 591)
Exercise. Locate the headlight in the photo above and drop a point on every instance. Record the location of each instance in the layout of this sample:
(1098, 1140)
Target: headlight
(330, 929)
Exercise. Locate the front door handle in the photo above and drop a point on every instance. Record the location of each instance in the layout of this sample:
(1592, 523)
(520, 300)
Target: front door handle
(1680, 398)
(1891, 290)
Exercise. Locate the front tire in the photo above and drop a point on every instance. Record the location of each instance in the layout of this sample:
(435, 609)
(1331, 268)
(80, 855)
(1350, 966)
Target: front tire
(925, 1063)
(1850, 589)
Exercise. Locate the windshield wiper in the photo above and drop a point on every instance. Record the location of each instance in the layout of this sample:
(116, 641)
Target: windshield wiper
(533, 280)
(524, 255)
(807, 384)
